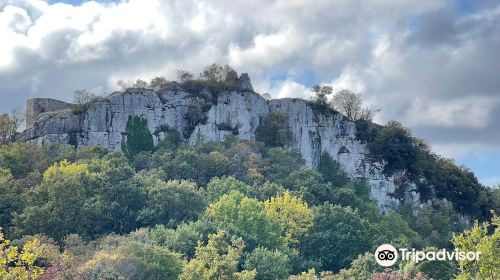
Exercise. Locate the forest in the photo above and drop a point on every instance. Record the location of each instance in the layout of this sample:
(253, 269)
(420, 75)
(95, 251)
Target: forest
(230, 210)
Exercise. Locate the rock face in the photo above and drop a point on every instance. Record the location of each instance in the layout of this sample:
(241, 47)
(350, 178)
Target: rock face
(204, 116)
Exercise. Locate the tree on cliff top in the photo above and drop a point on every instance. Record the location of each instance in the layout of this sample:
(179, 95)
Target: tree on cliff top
(82, 98)
(321, 94)
(215, 73)
(350, 104)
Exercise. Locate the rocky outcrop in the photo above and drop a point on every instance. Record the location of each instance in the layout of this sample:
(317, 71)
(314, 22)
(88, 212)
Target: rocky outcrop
(205, 116)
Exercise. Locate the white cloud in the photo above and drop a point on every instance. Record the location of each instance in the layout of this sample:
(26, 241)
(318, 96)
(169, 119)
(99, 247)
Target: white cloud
(267, 50)
(291, 89)
(466, 112)
(457, 150)
(349, 79)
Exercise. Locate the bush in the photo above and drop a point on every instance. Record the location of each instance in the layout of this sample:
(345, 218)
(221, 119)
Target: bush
(332, 171)
(400, 149)
(273, 130)
(367, 130)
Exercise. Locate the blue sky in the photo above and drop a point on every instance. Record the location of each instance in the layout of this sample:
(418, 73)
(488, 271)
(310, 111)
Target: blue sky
(432, 65)
(72, 2)
(486, 166)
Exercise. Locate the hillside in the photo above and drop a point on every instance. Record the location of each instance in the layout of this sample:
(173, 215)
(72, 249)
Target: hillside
(201, 180)
(202, 113)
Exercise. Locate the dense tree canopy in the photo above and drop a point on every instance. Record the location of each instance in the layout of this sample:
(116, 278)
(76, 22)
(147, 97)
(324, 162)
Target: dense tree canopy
(338, 236)
(479, 239)
(229, 210)
(218, 259)
(247, 218)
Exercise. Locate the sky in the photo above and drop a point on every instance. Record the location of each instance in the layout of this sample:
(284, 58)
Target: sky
(433, 65)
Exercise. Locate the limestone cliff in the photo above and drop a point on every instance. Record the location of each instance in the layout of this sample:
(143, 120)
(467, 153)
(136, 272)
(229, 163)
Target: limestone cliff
(206, 116)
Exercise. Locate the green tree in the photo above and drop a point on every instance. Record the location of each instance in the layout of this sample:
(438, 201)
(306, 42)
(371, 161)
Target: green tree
(23, 158)
(217, 187)
(269, 265)
(280, 163)
(363, 267)
(265, 191)
(348, 196)
(389, 274)
(183, 239)
(396, 231)
(213, 164)
(436, 270)
(154, 262)
(478, 239)
(460, 186)
(217, 260)
(247, 218)
(170, 202)
(321, 94)
(89, 198)
(9, 124)
(55, 205)
(132, 260)
(139, 137)
(400, 149)
(311, 274)
(11, 201)
(310, 185)
(113, 196)
(338, 236)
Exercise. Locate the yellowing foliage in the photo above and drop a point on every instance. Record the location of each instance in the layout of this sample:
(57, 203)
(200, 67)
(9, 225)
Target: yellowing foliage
(19, 265)
(478, 239)
(294, 216)
(65, 168)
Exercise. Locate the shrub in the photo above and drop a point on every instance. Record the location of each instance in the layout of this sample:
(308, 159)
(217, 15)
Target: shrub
(400, 149)
(332, 171)
(366, 130)
(273, 130)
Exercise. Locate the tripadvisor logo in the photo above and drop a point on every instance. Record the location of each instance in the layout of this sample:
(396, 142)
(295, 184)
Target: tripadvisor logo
(386, 255)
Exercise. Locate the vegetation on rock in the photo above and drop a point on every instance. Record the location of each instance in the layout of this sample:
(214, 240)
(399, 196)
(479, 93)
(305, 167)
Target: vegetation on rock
(273, 131)
(139, 137)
